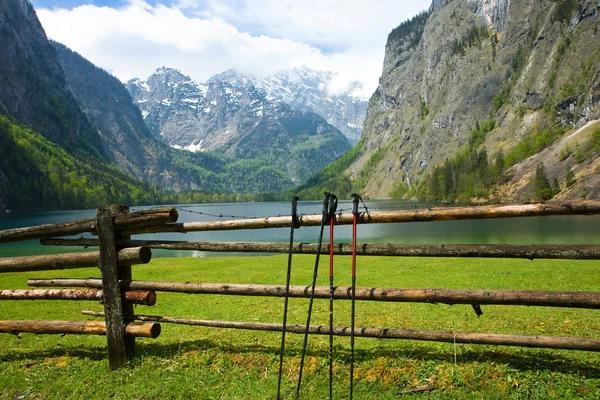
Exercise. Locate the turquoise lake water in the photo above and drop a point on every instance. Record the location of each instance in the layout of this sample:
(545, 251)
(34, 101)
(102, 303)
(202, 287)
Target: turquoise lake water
(530, 230)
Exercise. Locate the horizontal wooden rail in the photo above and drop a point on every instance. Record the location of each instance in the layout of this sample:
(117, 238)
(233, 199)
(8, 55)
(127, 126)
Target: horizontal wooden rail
(146, 298)
(423, 215)
(552, 342)
(574, 252)
(135, 329)
(446, 296)
(136, 220)
(129, 256)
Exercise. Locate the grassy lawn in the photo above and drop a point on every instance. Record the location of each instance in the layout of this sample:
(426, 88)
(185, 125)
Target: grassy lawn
(208, 363)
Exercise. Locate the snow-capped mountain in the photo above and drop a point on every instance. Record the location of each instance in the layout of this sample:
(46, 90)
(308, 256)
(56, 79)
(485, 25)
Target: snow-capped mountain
(308, 89)
(229, 114)
(195, 116)
(168, 96)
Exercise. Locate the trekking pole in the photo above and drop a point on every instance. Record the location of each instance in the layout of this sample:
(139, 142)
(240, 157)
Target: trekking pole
(295, 225)
(324, 220)
(332, 207)
(355, 198)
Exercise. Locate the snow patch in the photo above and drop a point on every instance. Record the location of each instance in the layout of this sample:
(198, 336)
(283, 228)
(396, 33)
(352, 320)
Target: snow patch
(193, 147)
(143, 85)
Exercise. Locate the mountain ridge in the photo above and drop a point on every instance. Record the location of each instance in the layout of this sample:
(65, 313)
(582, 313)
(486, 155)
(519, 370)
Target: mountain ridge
(302, 88)
(231, 116)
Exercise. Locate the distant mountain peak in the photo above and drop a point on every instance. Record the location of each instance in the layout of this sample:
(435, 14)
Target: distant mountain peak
(233, 78)
(166, 71)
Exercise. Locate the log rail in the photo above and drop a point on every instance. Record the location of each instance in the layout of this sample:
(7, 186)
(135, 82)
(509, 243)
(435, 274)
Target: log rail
(552, 342)
(146, 298)
(134, 220)
(585, 207)
(542, 298)
(129, 256)
(148, 330)
(573, 252)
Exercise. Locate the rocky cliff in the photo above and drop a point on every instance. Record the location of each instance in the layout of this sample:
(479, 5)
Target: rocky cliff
(32, 82)
(527, 71)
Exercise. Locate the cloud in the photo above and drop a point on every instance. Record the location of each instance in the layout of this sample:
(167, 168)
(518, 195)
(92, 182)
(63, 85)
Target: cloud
(257, 37)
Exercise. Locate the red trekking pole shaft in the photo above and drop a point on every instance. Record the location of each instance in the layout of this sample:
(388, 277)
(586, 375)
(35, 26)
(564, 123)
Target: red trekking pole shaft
(355, 199)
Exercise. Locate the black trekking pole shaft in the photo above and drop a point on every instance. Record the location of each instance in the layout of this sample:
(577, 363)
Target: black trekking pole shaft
(287, 294)
(312, 294)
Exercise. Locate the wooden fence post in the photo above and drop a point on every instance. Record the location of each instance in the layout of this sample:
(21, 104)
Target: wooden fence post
(124, 273)
(113, 308)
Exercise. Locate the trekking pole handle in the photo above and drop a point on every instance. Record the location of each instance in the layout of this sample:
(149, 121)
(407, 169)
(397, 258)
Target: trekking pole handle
(295, 220)
(330, 203)
(355, 200)
(325, 219)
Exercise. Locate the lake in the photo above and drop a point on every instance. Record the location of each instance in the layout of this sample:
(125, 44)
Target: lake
(532, 230)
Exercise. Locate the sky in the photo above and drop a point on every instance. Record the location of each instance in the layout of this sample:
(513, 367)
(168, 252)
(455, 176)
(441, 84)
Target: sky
(131, 38)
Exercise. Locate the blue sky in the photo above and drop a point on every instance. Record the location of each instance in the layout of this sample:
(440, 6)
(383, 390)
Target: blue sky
(257, 37)
(73, 3)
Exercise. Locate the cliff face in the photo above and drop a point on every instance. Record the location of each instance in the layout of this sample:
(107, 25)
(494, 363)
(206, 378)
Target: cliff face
(528, 66)
(32, 82)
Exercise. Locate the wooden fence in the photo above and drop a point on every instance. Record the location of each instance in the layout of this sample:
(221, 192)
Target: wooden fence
(119, 291)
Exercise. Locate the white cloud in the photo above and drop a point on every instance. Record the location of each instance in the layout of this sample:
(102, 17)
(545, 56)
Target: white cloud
(257, 37)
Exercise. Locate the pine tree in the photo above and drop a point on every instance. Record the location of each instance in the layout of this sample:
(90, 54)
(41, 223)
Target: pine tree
(543, 190)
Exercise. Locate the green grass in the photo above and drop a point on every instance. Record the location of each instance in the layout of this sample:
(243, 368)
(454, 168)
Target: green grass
(205, 363)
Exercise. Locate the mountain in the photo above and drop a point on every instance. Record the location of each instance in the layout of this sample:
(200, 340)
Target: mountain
(474, 96)
(51, 156)
(308, 90)
(126, 139)
(71, 137)
(233, 117)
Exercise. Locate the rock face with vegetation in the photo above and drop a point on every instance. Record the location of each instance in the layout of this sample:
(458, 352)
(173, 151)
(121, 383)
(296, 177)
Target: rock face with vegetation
(57, 159)
(474, 95)
(32, 83)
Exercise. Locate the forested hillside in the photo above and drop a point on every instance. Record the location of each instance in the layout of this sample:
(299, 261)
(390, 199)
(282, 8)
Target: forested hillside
(45, 174)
